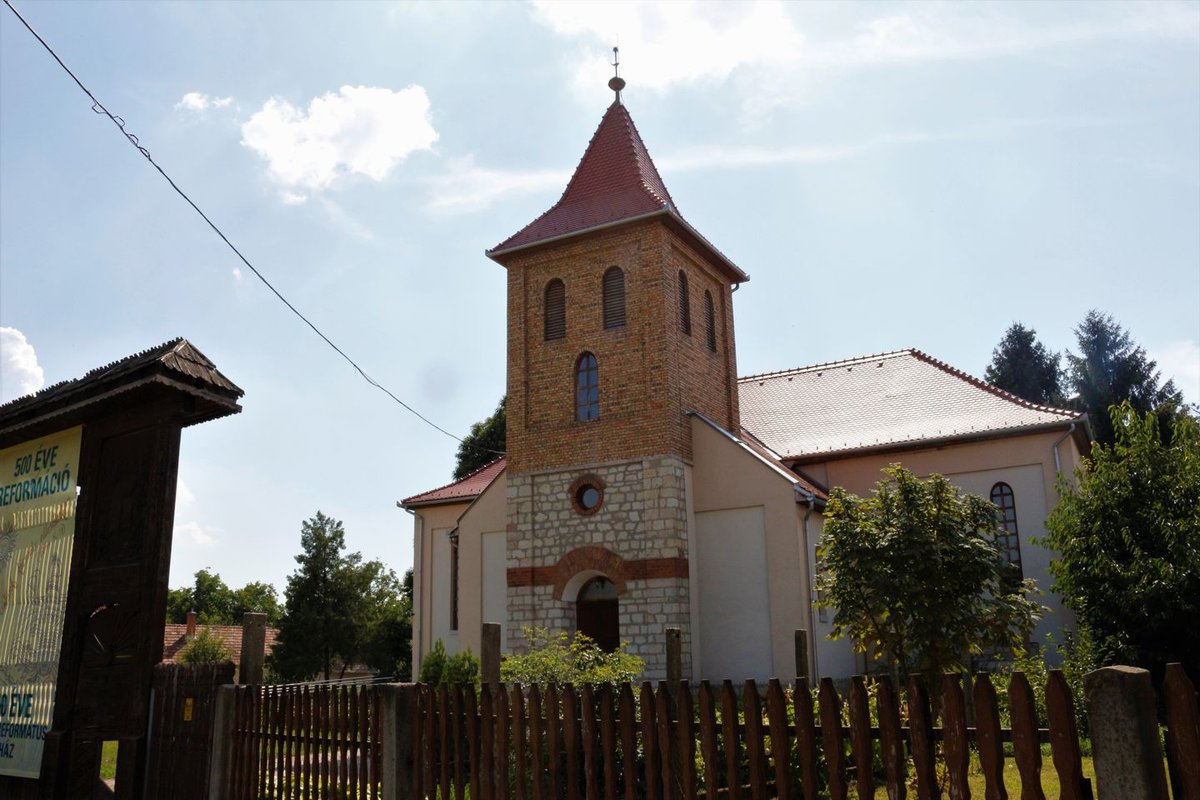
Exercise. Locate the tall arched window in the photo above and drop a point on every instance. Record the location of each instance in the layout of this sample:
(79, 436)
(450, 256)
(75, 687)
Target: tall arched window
(587, 388)
(614, 298)
(555, 310)
(1009, 541)
(710, 322)
(685, 305)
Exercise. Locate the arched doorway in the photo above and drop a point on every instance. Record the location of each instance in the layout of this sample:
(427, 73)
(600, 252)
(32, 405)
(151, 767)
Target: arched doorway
(597, 613)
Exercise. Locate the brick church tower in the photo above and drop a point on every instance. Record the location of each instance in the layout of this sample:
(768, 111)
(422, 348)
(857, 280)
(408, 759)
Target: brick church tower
(620, 323)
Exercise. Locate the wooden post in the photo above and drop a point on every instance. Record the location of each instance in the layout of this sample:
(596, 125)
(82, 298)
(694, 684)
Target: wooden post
(1125, 744)
(489, 655)
(222, 744)
(802, 653)
(674, 658)
(254, 647)
(397, 702)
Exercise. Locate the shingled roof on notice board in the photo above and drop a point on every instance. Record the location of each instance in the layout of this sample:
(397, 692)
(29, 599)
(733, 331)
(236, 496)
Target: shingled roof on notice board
(176, 364)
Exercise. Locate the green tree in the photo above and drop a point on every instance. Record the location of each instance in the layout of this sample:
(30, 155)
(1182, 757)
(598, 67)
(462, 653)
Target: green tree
(439, 669)
(484, 444)
(259, 597)
(1109, 370)
(561, 658)
(1022, 365)
(206, 648)
(1128, 539)
(914, 574)
(319, 621)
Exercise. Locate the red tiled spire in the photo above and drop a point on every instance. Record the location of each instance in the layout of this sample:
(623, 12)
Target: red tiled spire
(616, 180)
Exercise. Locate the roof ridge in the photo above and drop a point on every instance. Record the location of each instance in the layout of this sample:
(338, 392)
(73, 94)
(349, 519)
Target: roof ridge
(996, 390)
(826, 364)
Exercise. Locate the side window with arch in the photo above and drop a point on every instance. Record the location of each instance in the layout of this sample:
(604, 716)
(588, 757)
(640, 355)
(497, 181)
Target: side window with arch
(554, 311)
(587, 388)
(710, 322)
(614, 298)
(685, 306)
(1009, 541)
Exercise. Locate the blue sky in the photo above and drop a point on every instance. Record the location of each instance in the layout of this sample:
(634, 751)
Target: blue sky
(890, 175)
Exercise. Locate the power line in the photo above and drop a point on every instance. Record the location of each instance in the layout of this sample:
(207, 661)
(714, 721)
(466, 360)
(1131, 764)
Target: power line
(99, 108)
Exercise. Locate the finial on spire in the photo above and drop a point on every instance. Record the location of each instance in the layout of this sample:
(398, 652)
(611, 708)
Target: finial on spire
(616, 82)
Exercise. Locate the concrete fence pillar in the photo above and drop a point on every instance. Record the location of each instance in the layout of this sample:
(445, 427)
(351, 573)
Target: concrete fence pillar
(221, 747)
(674, 657)
(254, 647)
(1125, 746)
(397, 703)
(489, 655)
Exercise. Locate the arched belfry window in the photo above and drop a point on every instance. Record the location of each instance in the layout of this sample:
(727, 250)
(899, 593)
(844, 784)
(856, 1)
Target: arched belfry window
(1009, 541)
(685, 305)
(555, 310)
(614, 298)
(587, 388)
(710, 323)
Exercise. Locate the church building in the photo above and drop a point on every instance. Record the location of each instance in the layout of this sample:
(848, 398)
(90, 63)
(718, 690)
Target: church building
(647, 486)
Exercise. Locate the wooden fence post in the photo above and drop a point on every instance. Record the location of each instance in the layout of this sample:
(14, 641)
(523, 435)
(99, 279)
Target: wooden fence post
(1125, 744)
(674, 658)
(397, 701)
(801, 653)
(489, 653)
(222, 743)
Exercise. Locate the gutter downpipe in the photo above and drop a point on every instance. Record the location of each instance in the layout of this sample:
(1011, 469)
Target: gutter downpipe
(1063, 438)
(810, 500)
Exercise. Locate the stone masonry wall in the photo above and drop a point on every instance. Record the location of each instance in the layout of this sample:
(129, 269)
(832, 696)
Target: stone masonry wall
(642, 522)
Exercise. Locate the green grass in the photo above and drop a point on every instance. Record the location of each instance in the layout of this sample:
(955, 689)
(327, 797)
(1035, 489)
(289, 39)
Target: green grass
(108, 761)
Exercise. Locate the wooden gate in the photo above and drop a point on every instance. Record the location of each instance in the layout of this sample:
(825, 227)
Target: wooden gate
(181, 728)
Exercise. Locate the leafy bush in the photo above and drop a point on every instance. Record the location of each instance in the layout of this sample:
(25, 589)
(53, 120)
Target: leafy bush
(206, 648)
(561, 658)
(438, 668)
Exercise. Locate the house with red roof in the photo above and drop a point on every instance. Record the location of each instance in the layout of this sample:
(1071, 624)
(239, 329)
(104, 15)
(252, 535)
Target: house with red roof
(647, 486)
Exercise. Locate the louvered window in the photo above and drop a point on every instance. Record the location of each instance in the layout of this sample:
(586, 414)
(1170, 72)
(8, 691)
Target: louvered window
(710, 323)
(685, 305)
(1009, 541)
(614, 298)
(587, 388)
(555, 310)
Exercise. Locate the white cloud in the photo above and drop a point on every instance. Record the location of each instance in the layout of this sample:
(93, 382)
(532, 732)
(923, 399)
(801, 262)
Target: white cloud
(200, 102)
(20, 373)
(183, 495)
(669, 43)
(237, 273)
(1180, 360)
(360, 130)
(784, 44)
(293, 198)
(194, 532)
(466, 187)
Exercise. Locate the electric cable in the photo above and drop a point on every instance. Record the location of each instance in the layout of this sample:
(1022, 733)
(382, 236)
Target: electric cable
(100, 108)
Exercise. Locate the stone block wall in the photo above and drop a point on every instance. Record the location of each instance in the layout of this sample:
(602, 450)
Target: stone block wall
(637, 538)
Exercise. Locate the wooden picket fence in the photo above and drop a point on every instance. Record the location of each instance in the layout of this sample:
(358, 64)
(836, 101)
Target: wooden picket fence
(680, 741)
(304, 742)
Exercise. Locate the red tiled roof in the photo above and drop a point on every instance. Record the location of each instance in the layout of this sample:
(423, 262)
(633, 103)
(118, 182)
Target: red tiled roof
(175, 637)
(897, 399)
(616, 181)
(466, 488)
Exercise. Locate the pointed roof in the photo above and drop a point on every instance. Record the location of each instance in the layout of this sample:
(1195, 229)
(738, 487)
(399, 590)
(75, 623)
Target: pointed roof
(616, 182)
(894, 400)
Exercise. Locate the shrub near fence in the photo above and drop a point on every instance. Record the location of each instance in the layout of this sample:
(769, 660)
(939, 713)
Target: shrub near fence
(680, 741)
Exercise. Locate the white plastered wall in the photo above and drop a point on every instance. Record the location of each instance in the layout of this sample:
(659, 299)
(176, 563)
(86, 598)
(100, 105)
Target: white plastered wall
(482, 573)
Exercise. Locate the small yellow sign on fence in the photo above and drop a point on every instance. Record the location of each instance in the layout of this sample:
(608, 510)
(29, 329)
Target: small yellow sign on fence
(189, 703)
